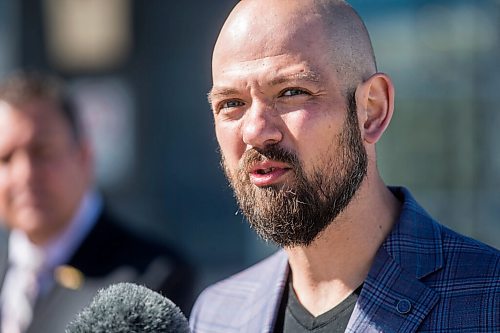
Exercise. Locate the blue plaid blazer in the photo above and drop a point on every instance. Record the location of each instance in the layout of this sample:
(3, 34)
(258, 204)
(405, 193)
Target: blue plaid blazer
(425, 278)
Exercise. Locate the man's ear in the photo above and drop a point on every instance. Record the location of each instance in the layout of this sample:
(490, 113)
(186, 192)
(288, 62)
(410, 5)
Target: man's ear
(375, 103)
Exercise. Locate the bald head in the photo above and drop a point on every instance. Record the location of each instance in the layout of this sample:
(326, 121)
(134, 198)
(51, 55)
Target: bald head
(265, 28)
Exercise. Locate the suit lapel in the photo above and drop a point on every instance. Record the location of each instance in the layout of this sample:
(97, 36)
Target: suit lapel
(4, 254)
(4, 257)
(60, 303)
(263, 295)
(87, 257)
(392, 300)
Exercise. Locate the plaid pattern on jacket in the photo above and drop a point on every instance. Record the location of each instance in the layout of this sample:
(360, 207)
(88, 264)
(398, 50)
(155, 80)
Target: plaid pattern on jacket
(425, 278)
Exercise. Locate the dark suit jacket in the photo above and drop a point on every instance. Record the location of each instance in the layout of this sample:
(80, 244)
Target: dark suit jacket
(110, 254)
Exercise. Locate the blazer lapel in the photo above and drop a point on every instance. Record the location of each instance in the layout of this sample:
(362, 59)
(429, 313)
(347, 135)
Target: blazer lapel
(261, 292)
(393, 299)
(62, 302)
(4, 254)
(4, 257)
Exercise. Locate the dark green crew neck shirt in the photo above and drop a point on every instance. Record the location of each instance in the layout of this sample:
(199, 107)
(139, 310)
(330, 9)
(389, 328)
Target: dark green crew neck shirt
(294, 318)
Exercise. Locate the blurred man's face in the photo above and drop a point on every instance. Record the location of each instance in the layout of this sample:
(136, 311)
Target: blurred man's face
(44, 172)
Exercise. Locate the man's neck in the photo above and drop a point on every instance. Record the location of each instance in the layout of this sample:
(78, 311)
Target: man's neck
(338, 261)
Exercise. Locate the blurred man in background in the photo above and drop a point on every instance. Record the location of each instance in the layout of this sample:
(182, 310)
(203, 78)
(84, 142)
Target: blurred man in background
(299, 107)
(60, 244)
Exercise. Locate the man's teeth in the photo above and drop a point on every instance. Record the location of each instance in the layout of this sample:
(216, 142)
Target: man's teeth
(264, 171)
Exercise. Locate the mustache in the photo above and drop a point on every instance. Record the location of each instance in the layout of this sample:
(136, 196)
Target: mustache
(272, 152)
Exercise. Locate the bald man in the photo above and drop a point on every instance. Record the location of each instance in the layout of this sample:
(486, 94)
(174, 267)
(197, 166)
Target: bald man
(299, 107)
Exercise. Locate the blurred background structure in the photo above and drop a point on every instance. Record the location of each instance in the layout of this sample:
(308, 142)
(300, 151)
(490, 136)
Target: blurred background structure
(141, 70)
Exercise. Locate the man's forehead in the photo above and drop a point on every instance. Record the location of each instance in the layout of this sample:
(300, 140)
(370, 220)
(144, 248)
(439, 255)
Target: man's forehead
(256, 32)
(272, 54)
(271, 75)
(274, 80)
(40, 112)
(329, 30)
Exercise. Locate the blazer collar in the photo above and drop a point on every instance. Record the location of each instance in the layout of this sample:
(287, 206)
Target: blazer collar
(415, 242)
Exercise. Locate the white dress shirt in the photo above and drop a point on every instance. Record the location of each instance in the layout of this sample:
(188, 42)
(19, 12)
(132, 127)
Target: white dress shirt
(31, 267)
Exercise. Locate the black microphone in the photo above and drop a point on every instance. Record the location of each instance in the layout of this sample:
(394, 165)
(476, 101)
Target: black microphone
(127, 307)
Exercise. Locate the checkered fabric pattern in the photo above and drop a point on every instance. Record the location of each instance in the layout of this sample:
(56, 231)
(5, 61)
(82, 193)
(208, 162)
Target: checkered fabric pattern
(425, 278)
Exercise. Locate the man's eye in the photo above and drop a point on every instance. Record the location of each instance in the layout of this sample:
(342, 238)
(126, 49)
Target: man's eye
(44, 153)
(293, 92)
(231, 104)
(230, 108)
(5, 159)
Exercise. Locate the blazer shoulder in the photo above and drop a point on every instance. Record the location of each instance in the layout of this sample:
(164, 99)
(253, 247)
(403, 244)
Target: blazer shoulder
(125, 241)
(113, 246)
(253, 274)
(469, 256)
(454, 241)
(234, 303)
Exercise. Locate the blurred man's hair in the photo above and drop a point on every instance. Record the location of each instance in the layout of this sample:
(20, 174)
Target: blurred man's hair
(24, 86)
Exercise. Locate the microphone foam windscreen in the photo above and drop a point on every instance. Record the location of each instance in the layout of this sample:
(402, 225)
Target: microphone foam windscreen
(127, 307)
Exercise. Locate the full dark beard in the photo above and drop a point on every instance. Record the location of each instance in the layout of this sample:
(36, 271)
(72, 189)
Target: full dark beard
(296, 213)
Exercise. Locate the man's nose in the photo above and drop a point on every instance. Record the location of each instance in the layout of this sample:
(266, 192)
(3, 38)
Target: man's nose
(261, 126)
(23, 168)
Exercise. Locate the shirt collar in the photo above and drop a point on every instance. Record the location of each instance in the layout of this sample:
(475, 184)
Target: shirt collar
(60, 250)
(23, 252)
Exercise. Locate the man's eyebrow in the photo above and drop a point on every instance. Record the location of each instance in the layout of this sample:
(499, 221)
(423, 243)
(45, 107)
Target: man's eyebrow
(305, 76)
(220, 92)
